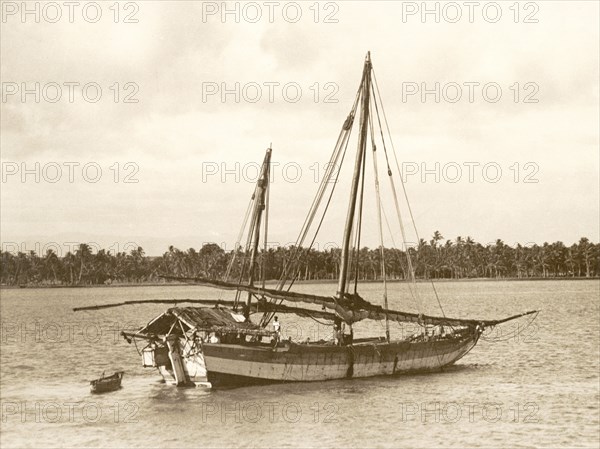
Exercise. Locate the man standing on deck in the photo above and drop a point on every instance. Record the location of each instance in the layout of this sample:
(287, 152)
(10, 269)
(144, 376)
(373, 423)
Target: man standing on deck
(277, 329)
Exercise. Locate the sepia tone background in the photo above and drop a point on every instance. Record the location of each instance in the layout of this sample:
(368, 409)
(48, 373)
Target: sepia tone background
(174, 139)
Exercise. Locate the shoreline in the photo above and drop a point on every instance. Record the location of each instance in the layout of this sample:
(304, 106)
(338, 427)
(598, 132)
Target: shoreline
(316, 281)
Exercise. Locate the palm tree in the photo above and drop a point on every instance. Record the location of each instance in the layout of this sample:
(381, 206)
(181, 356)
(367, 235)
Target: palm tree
(8, 268)
(557, 258)
(212, 258)
(436, 259)
(82, 254)
(420, 258)
(585, 251)
(102, 269)
(34, 273)
(469, 257)
(69, 262)
(51, 263)
(136, 264)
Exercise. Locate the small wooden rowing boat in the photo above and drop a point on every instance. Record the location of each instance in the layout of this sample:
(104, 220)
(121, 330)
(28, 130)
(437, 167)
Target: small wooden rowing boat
(106, 384)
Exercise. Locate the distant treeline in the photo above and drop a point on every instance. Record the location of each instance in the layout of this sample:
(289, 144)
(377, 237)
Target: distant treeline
(435, 259)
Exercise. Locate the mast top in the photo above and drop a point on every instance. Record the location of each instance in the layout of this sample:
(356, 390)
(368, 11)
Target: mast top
(368, 63)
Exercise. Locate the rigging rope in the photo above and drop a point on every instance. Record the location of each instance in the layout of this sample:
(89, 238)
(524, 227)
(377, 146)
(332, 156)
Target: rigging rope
(320, 322)
(411, 270)
(239, 238)
(237, 242)
(381, 247)
(246, 249)
(402, 183)
(335, 183)
(264, 254)
(291, 265)
(359, 223)
(343, 137)
(268, 318)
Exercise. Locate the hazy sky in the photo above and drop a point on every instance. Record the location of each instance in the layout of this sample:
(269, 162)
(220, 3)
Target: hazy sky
(534, 127)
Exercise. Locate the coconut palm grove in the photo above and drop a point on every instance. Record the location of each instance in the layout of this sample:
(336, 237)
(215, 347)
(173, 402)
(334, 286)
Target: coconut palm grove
(437, 258)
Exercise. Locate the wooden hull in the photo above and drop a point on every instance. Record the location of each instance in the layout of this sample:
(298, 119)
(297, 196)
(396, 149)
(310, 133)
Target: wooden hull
(106, 384)
(238, 365)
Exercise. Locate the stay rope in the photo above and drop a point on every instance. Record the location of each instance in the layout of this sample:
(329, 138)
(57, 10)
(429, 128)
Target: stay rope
(237, 243)
(411, 270)
(402, 182)
(379, 221)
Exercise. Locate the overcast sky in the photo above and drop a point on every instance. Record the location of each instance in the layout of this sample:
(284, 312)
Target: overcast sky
(178, 138)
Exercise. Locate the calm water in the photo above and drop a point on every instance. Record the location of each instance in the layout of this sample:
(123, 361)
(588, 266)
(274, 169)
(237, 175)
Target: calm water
(533, 387)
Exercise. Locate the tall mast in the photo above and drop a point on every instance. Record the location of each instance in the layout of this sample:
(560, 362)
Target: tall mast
(259, 207)
(362, 144)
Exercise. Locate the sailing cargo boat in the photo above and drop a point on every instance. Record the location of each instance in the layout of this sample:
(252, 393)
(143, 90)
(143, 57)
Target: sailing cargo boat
(219, 342)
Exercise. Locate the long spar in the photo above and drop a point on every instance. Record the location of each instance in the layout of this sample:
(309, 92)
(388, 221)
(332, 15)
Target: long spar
(353, 310)
(259, 307)
(362, 143)
(263, 183)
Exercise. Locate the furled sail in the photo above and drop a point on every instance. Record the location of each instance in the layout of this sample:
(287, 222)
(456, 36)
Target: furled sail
(351, 308)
